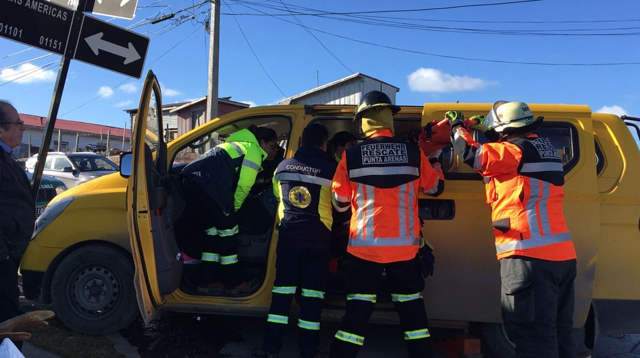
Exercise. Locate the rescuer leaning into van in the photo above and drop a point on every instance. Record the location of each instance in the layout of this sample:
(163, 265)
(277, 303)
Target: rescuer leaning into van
(215, 186)
(524, 186)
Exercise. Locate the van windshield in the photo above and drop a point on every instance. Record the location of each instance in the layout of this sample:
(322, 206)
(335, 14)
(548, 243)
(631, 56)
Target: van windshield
(93, 163)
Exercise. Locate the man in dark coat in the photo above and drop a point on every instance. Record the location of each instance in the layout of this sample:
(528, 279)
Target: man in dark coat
(17, 211)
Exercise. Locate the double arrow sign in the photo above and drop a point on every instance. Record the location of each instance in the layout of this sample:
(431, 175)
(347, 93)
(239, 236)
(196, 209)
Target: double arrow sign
(47, 26)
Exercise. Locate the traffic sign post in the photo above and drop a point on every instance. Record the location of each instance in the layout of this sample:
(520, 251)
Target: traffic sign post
(111, 47)
(36, 23)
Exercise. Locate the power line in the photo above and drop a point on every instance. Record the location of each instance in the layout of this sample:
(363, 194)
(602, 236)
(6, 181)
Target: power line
(395, 10)
(29, 73)
(320, 42)
(25, 62)
(457, 57)
(385, 22)
(254, 53)
(16, 53)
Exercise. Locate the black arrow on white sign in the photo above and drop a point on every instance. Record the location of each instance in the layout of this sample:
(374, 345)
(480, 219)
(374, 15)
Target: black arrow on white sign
(97, 43)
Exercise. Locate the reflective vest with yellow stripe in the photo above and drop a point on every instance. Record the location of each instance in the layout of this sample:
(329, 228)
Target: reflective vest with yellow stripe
(379, 178)
(524, 186)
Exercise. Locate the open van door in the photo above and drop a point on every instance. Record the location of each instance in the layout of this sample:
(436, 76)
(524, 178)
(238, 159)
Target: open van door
(150, 205)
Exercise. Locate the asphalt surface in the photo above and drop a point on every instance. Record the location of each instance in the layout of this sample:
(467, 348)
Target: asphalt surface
(199, 336)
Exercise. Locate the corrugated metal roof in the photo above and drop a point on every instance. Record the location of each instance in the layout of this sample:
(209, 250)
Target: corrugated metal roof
(73, 126)
(331, 84)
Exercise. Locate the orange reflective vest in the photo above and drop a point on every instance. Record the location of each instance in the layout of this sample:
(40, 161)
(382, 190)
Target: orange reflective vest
(379, 179)
(524, 186)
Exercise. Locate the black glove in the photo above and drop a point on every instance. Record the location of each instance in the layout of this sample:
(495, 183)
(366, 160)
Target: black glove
(456, 119)
(427, 260)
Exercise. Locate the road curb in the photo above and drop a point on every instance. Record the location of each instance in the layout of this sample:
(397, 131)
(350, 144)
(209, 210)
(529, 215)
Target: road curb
(122, 346)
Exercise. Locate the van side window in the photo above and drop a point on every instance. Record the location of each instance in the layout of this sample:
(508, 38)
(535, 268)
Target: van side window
(600, 160)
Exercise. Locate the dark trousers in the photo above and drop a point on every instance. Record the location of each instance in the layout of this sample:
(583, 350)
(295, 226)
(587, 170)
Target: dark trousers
(537, 306)
(302, 265)
(217, 232)
(405, 283)
(9, 292)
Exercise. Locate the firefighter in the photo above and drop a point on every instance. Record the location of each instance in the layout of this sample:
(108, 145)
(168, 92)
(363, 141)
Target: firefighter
(303, 186)
(524, 186)
(379, 179)
(216, 185)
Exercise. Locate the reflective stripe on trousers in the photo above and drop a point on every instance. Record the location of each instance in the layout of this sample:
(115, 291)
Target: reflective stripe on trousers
(350, 337)
(275, 318)
(228, 232)
(210, 257)
(362, 297)
(312, 326)
(417, 334)
(396, 297)
(312, 293)
(228, 260)
(284, 290)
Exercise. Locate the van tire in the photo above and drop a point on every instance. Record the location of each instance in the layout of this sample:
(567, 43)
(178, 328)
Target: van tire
(83, 283)
(496, 343)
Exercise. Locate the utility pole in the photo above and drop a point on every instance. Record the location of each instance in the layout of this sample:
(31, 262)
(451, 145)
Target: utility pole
(214, 56)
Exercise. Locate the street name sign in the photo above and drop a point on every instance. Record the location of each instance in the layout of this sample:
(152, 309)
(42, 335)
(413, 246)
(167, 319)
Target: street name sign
(37, 23)
(111, 47)
(125, 9)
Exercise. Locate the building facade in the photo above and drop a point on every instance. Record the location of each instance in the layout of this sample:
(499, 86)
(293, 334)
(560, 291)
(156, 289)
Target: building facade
(348, 90)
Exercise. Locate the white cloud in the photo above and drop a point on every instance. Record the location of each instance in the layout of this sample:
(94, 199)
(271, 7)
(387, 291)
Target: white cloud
(27, 73)
(617, 110)
(250, 103)
(124, 103)
(105, 91)
(129, 88)
(168, 92)
(432, 80)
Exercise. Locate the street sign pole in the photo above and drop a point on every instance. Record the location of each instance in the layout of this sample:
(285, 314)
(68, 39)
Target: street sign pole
(55, 101)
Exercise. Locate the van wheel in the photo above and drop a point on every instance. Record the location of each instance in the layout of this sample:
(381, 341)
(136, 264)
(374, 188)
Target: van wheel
(495, 341)
(92, 290)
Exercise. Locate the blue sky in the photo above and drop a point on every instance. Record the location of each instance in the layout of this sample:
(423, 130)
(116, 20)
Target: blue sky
(293, 58)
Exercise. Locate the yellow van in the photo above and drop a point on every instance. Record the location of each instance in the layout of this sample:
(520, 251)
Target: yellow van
(103, 246)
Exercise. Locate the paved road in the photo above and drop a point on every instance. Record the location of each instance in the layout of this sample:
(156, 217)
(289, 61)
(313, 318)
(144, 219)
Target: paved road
(234, 337)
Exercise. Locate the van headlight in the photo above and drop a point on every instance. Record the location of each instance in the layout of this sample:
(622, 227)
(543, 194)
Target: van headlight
(60, 189)
(50, 214)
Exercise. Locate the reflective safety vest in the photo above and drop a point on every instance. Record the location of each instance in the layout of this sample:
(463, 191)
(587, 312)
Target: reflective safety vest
(524, 186)
(379, 178)
(303, 186)
(228, 171)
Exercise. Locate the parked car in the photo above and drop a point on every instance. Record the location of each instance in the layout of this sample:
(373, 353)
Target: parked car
(49, 188)
(102, 249)
(74, 168)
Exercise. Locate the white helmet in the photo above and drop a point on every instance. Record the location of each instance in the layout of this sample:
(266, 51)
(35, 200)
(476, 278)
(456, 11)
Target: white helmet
(511, 117)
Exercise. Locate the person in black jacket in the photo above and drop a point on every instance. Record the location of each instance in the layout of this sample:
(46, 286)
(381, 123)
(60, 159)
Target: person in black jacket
(17, 211)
